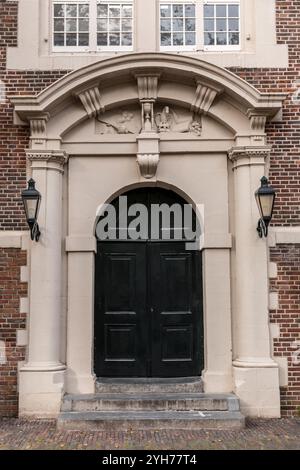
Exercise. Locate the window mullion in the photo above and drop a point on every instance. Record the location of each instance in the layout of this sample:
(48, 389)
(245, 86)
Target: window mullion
(199, 25)
(93, 25)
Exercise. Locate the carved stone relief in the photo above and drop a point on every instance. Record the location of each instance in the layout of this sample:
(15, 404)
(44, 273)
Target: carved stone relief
(166, 119)
(124, 122)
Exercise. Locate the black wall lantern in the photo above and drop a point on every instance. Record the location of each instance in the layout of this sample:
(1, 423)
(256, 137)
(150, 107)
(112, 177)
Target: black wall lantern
(32, 200)
(265, 198)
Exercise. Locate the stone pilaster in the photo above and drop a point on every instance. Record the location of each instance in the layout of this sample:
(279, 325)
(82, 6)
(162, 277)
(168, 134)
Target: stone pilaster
(42, 376)
(255, 372)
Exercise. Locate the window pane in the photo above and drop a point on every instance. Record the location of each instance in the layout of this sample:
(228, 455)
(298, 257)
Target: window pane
(209, 11)
(71, 39)
(126, 25)
(233, 11)
(190, 39)
(190, 25)
(71, 25)
(102, 10)
(83, 11)
(221, 39)
(114, 39)
(178, 25)
(221, 25)
(209, 25)
(59, 25)
(127, 39)
(209, 39)
(190, 10)
(221, 10)
(83, 25)
(234, 39)
(102, 39)
(178, 39)
(83, 39)
(59, 10)
(71, 10)
(233, 25)
(59, 40)
(114, 12)
(165, 11)
(102, 25)
(165, 39)
(178, 10)
(114, 24)
(165, 25)
(126, 11)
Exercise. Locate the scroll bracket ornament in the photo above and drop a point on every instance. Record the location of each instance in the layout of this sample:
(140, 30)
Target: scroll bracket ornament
(148, 164)
(91, 101)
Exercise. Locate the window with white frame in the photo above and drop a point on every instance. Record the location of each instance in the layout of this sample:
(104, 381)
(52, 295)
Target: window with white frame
(177, 25)
(92, 25)
(200, 24)
(221, 25)
(114, 25)
(70, 24)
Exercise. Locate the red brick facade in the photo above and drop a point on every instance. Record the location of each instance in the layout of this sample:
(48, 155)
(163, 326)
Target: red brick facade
(11, 320)
(284, 175)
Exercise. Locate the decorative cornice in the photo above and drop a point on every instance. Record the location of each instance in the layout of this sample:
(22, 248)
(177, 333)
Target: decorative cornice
(148, 164)
(242, 156)
(147, 86)
(58, 157)
(91, 100)
(204, 98)
(38, 126)
(257, 120)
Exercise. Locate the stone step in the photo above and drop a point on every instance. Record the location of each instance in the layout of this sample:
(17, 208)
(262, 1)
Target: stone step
(149, 401)
(156, 385)
(137, 420)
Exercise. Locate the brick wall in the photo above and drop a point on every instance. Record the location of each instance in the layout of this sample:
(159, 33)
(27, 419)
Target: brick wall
(287, 284)
(11, 290)
(284, 164)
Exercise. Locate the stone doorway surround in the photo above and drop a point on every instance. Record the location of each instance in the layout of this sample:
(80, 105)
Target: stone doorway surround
(148, 119)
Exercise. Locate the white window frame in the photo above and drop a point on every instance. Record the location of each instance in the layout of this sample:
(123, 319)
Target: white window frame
(184, 47)
(93, 46)
(117, 48)
(199, 4)
(69, 48)
(227, 47)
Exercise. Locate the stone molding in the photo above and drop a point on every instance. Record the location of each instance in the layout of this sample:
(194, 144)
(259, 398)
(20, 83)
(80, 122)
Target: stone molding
(148, 164)
(246, 156)
(206, 75)
(91, 101)
(57, 157)
(284, 236)
(147, 86)
(257, 120)
(38, 126)
(81, 243)
(204, 98)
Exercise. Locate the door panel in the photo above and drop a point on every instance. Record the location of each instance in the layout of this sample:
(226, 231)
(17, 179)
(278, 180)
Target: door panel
(120, 304)
(148, 310)
(175, 287)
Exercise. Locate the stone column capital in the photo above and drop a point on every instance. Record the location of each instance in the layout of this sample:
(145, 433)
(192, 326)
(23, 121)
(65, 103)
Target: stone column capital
(248, 156)
(54, 159)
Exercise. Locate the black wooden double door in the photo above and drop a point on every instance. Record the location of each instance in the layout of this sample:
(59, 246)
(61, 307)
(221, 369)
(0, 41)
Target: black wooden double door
(148, 310)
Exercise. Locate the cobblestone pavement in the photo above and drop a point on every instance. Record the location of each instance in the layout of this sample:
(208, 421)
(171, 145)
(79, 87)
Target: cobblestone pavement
(42, 435)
